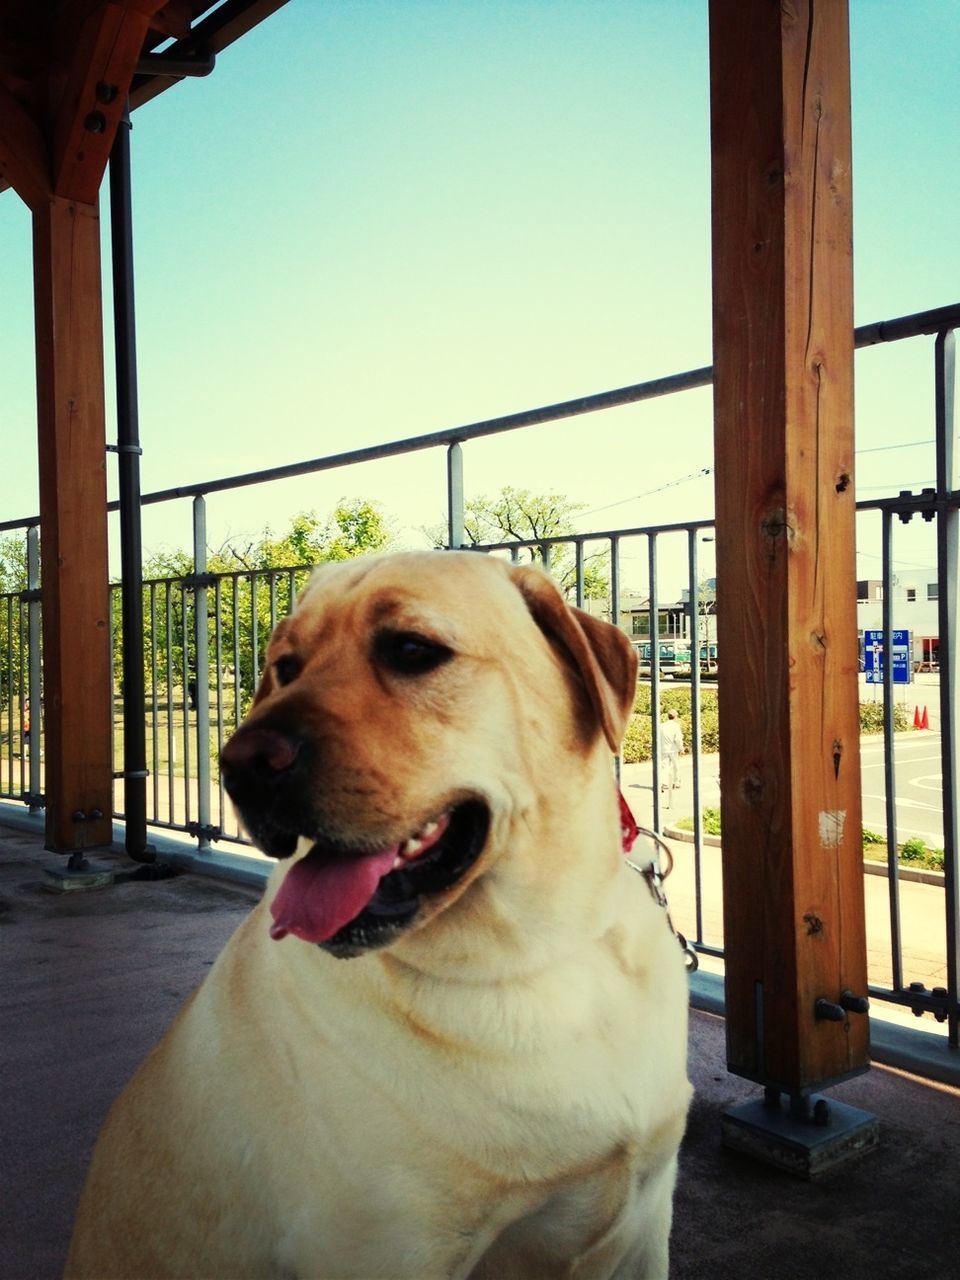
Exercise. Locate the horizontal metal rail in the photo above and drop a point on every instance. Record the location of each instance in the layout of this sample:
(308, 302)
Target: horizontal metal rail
(917, 325)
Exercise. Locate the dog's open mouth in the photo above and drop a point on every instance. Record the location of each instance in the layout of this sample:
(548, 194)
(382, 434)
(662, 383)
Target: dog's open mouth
(352, 902)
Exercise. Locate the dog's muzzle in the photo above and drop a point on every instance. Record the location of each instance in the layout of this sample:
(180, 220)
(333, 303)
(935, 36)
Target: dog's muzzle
(351, 896)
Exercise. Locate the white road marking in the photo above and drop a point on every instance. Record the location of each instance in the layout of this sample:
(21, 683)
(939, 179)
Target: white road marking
(907, 803)
(928, 782)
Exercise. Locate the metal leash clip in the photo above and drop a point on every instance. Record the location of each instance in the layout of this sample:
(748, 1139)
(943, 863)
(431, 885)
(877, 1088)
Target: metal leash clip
(654, 875)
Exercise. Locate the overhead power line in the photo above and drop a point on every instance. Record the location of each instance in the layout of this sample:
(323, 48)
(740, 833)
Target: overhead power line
(670, 484)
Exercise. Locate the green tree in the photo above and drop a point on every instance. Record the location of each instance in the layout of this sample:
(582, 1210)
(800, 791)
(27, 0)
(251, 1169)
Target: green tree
(519, 515)
(13, 580)
(257, 581)
(352, 529)
(13, 563)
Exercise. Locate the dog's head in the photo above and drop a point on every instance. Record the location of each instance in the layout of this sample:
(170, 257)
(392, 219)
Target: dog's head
(422, 720)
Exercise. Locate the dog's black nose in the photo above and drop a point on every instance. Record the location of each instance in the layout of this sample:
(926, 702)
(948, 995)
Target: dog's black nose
(258, 753)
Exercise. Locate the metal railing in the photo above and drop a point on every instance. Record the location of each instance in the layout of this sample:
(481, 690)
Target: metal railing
(206, 634)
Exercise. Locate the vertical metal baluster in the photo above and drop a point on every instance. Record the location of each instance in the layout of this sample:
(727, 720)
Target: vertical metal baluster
(948, 601)
(654, 675)
(889, 767)
(21, 612)
(154, 764)
(273, 601)
(14, 689)
(11, 654)
(34, 664)
(114, 771)
(201, 618)
(218, 660)
(694, 577)
(185, 705)
(614, 611)
(455, 507)
(171, 737)
(254, 632)
(5, 742)
(237, 681)
(23, 695)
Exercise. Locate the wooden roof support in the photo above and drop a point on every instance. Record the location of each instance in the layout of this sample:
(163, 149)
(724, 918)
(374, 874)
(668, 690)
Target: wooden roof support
(103, 57)
(73, 498)
(783, 359)
(23, 151)
(54, 147)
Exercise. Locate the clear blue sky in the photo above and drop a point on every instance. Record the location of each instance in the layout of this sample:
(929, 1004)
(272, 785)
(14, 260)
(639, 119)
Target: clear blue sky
(378, 219)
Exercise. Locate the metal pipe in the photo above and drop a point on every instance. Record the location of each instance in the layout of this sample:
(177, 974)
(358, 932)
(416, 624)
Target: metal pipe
(455, 526)
(201, 672)
(165, 64)
(654, 612)
(128, 462)
(34, 673)
(694, 578)
(614, 611)
(889, 774)
(185, 700)
(948, 599)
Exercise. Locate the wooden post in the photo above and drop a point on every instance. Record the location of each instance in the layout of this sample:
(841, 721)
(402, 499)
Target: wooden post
(783, 359)
(70, 415)
(54, 155)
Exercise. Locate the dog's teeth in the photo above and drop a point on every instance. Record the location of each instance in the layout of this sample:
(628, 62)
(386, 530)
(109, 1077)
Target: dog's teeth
(413, 845)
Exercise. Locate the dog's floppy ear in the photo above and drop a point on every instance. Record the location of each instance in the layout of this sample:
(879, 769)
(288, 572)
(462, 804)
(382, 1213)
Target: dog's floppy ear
(601, 653)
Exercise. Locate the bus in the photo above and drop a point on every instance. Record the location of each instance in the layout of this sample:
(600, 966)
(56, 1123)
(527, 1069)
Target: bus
(675, 659)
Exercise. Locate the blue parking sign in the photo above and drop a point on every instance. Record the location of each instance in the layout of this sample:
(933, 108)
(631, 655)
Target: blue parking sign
(873, 657)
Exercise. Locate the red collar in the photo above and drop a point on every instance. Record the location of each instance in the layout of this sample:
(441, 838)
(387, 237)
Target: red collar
(628, 825)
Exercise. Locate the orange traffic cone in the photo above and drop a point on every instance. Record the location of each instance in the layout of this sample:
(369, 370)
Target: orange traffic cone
(924, 720)
(916, 718)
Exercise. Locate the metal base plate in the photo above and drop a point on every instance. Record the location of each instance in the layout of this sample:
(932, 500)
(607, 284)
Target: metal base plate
(800, 1146)
(90, 875)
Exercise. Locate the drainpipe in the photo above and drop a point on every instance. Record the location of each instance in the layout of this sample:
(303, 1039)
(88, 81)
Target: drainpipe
(127, 448)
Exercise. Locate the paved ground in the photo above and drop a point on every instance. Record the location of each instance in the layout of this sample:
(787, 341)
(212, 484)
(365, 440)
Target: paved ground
(90, 981)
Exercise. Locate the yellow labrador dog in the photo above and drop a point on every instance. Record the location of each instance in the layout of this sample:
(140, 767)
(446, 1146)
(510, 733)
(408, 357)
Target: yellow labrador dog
(451, 1040)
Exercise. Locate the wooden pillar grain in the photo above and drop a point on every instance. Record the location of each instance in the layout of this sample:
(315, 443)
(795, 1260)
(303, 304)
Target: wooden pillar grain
(783, 361)
(70, 415)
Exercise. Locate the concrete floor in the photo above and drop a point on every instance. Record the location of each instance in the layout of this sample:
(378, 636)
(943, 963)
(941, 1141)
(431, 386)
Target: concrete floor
(91, 980)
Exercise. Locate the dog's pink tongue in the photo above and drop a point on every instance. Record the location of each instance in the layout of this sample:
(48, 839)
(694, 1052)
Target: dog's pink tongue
(319, 897)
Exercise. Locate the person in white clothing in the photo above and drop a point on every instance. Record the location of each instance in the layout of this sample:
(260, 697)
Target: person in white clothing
(671, 748)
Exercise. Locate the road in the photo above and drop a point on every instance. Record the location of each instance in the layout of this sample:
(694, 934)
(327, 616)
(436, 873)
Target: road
(917, 780)
(918, 787)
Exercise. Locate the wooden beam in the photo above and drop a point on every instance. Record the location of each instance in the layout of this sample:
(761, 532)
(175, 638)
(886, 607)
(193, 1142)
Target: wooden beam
(173, 20)
(101, 67)
(783, 360)
(76, 631)
(24, 162)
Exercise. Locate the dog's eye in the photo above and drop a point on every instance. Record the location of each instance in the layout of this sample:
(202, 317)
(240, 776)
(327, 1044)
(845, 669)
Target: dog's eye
(286, 669)
(409, 654)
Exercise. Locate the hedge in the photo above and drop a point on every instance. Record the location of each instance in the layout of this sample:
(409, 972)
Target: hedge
(638, 737)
